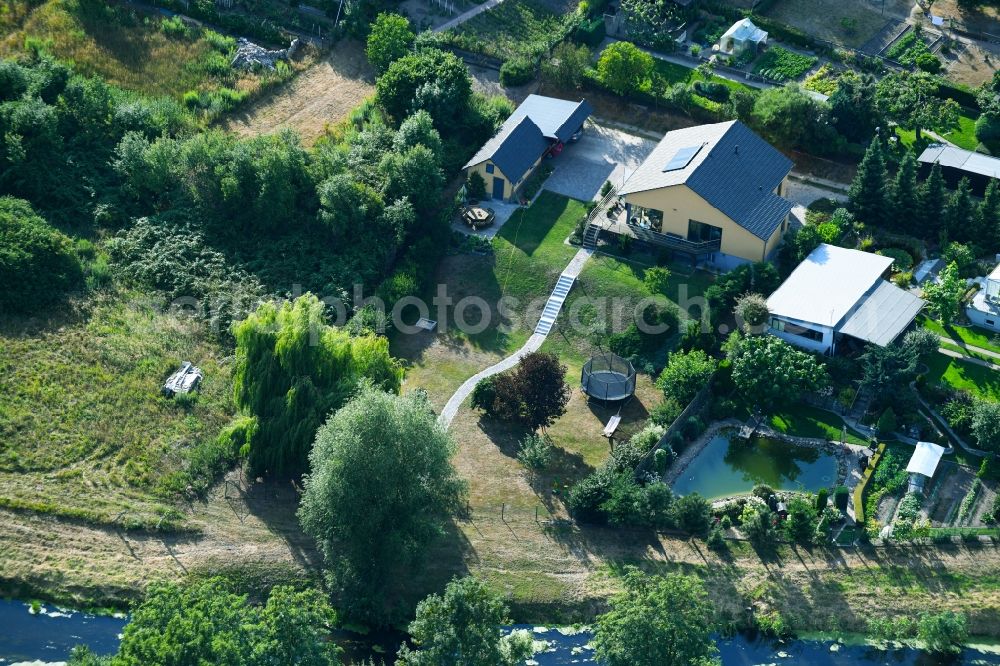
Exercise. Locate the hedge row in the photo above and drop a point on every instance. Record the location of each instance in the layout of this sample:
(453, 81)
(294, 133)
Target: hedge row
(204, 10)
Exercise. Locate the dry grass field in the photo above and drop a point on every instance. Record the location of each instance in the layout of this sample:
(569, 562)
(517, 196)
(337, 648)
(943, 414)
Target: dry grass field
(320, 96)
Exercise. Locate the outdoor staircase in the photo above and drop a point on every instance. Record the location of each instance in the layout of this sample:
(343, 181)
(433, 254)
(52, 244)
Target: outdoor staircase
(554, 304)
(590, 236)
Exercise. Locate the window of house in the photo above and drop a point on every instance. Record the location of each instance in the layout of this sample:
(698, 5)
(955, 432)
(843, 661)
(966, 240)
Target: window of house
(990, 322)
(699, 232)
(489, 168)
(800, 331)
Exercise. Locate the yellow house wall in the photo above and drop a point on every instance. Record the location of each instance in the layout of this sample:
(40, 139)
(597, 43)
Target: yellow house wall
(680, 204)
(509, 188)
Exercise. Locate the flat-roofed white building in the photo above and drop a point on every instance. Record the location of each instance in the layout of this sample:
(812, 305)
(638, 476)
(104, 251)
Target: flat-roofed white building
(835, 292)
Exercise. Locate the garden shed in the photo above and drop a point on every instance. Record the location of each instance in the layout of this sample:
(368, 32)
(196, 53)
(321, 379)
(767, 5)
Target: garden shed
(743, 36)
(923, 464)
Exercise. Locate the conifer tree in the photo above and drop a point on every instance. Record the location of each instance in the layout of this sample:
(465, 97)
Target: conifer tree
(868, 191)
(904, 195)
(932, 203)
(989, 217)
(959, 213)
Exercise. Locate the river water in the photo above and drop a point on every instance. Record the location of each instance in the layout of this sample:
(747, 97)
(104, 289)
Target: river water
(46, 637)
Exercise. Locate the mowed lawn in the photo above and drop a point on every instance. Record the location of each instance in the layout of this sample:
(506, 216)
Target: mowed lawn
(964, 375)
(968, 335)
(84, 429)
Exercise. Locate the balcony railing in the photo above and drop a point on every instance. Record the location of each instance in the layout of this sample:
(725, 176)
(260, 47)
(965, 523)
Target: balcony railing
(675, 242)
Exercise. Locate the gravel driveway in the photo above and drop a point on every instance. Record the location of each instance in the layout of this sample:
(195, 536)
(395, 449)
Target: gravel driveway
(601, 154)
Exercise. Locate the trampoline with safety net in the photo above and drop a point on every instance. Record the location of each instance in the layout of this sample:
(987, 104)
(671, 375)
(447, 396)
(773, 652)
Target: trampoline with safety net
(608, 377)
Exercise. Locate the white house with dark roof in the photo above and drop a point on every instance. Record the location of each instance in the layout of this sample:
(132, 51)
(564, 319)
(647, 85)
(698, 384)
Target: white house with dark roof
(537, 126)
(836, 292)
(713, 193)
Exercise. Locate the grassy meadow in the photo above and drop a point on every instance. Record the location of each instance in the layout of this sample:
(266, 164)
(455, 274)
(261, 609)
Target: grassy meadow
(129, 48)
(84, 430)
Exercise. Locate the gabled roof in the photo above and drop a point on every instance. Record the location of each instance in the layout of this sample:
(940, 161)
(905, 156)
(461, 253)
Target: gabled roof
(513, 149)
(557, 118)
(734, 170)
(745, 31)
(957, 158)
(827, 285)
(516, 146)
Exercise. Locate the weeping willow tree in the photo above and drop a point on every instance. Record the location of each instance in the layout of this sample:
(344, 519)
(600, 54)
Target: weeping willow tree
(292, 370)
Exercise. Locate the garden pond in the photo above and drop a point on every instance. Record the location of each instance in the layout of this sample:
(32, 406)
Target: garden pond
(728, 465)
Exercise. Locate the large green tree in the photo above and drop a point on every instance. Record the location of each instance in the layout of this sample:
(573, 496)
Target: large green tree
(888, 369)
(854, 108)
(686, 374)
(790, 117)
(769, 372)
(903, 196)
(208, 623)
(911, 100)
(432, 80)
(944, 297)
(624, 68)
(37, 263)
(292, 369)
(960, 214)
(656, 621)
(932, 198)
(381, 486)
(989, 215)
(869, 193)
(986, 425)
(389, 40)
(462, 628)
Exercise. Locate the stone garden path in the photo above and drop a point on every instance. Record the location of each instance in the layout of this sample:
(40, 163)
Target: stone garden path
(550, 313)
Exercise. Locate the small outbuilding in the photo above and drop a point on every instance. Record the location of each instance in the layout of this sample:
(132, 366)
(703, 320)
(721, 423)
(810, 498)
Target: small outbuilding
(923, 464)
(958, 163)
(743, 36)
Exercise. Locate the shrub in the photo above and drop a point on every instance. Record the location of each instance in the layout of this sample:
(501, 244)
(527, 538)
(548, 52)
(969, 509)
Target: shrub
(37, 262)
(685, 375)
(693, 514)
(517, 71)
(715, 540)
(665, 413)
(476, 188)
(590, 31)
(887, 422)
(715, 91)
(175, 27)
(928, 62)
(840, 497)
(535, 452)
(821, 499)
(901, 259)
(484, 395)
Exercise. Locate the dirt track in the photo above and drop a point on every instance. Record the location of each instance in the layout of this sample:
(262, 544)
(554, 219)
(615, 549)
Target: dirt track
(322, 95)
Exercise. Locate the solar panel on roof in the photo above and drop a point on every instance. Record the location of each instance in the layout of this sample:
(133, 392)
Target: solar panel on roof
(682, 158)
